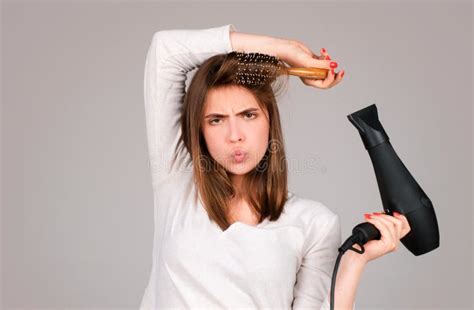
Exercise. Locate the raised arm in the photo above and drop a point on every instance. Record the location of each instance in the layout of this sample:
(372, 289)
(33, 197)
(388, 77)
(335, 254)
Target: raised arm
(171, 55)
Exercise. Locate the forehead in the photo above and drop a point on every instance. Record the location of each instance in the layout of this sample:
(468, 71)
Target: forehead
(229, 98)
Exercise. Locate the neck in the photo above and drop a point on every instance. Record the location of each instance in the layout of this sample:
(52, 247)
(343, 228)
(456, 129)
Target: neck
(237, 184)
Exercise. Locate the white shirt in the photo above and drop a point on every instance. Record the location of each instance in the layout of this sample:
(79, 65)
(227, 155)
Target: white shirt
(280, 264)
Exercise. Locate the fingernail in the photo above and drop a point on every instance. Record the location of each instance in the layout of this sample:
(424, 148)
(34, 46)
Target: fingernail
(367, 216)
(328, 58)
(323, 50)
(342, 73)
(376, 213)
(396, 213)
(333, 64)
(332, 71)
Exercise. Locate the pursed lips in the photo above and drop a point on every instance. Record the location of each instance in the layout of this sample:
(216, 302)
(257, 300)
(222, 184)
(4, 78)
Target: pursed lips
(238, 152)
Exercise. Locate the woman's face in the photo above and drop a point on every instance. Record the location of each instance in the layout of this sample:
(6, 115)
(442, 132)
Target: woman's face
(233, 122)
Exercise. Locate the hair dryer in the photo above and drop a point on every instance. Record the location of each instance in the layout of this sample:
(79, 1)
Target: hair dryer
(398, 189)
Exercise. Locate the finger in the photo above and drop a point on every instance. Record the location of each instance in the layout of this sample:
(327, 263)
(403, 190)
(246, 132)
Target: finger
(324, 83)
(397, 222)
(406, 225)
(317, 83)
(389, 224)
(323, 56)
(322, 63)
(386, 234)
(308, 60)
(337, 79)
(324, 53)
(320, 57)
(311, 61)
(382, 227)
(329, 79)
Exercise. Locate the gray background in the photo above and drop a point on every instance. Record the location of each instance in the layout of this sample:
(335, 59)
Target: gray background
(77, 204)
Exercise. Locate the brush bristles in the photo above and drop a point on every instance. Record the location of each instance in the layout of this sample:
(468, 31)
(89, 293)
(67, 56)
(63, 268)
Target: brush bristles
(256, 68)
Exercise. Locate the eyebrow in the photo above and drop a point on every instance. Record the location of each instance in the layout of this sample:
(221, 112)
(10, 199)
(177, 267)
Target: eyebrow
(222, 115)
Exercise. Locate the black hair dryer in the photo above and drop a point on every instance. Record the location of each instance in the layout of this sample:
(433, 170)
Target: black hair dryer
(398, 189)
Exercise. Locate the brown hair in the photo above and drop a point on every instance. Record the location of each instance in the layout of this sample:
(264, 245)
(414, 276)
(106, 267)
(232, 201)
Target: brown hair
(266, 184)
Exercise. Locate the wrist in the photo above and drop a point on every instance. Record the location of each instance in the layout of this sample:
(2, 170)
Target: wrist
(361, 259)
(353, 258)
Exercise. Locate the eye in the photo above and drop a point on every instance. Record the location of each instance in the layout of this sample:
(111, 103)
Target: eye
(252, 114)
(212, 121)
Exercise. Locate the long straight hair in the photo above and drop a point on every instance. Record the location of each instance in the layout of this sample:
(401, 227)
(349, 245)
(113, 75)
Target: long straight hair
(266, 185)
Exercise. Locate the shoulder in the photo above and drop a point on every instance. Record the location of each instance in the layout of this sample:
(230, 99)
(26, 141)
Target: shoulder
(307, 209)
(315, 219)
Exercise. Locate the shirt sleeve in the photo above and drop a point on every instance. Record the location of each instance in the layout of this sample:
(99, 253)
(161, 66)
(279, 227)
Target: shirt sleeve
(313, 280)
(171, 55)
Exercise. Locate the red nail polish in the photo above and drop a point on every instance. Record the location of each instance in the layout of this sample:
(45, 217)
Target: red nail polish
(328, 58)
(367, 216)
(323, 50)
(332, 71)
(333, 64)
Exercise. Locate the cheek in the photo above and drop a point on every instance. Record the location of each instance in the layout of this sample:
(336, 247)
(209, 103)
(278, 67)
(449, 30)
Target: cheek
(260, 135)
(213, 141)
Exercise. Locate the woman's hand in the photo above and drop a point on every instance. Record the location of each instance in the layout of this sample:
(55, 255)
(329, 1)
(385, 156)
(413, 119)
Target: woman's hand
(294, 53)
(392, 229)
(297, 54)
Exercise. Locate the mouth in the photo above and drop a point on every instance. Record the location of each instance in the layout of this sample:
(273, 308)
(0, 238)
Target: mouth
(239, 156)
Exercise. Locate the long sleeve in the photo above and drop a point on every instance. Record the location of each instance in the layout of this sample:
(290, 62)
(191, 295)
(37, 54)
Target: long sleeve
(171, 55)
(313, 280)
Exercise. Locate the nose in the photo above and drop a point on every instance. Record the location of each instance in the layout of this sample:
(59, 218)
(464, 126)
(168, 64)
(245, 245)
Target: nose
(235, 131)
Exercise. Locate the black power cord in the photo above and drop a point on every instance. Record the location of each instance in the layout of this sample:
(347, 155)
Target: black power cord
(361, 234)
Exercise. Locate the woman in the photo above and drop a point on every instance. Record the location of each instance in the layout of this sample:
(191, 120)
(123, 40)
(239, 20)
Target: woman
(228, 233)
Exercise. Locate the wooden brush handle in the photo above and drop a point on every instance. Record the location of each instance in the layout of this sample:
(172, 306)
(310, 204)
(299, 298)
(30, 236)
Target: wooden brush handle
(312, 73)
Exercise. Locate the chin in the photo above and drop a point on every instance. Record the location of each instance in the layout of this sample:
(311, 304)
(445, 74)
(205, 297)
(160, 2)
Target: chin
(239, 169)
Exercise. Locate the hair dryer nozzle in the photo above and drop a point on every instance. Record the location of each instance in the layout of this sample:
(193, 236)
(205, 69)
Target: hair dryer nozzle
(368, 124)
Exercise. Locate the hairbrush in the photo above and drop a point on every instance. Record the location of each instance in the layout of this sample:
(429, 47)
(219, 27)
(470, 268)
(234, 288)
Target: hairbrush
(258, 68)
